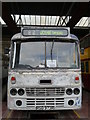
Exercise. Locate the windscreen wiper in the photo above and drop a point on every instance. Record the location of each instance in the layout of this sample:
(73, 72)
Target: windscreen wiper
(25, 66)
(52, 48)
(28, 66)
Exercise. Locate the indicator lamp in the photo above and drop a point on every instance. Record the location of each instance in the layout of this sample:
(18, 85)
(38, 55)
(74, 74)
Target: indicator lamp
(76, 79)
(13, 80)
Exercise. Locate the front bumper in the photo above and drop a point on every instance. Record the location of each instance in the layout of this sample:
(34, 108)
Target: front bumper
(44, 103)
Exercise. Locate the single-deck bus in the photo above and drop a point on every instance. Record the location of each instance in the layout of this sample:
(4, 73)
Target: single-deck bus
(44, 70)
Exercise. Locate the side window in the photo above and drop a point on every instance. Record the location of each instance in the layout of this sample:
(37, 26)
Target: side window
(82, 67)
(87, 66)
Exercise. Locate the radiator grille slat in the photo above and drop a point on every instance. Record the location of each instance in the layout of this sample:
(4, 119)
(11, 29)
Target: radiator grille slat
(55, 102)
(45, 91)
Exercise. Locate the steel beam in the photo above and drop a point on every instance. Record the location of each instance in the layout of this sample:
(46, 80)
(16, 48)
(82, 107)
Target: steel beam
(6, 16)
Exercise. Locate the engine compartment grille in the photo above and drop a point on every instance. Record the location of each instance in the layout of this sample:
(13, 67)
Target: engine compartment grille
(45, 102)
(45, 91)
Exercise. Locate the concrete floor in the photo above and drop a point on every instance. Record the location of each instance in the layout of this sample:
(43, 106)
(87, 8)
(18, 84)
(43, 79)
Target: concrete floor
(83, 113)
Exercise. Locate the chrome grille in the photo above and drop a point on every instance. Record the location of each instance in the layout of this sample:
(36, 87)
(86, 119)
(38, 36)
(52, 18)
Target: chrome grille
(45, 91)
(45, 102)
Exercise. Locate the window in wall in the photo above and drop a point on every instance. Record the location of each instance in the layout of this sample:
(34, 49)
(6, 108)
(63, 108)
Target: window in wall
(87, 66)
(82, 67)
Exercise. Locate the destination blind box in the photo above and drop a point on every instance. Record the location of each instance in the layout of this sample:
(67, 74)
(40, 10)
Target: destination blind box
(41, 31)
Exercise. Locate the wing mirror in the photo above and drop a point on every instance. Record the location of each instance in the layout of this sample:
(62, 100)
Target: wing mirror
(82, 51)
(6, 50)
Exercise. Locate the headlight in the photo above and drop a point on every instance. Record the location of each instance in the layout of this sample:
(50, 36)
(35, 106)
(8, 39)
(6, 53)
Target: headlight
(13, 91)
(69, 91)
(20, 92)
(76, 91)
(18, 102)
(70, 102)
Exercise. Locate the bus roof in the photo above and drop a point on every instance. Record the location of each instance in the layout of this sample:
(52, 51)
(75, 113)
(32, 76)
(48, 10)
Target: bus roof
(28, 32)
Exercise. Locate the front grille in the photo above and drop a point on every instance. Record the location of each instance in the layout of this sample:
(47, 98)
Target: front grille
(45, 91)
(45, 102)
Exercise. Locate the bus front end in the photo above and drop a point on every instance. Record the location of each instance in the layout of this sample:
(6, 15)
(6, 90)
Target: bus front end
(45, 73)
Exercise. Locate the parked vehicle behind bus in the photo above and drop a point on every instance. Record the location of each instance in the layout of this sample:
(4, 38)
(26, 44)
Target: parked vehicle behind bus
(44, 70)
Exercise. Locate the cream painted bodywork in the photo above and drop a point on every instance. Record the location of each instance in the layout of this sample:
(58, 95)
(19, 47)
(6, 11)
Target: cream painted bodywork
(31, 78)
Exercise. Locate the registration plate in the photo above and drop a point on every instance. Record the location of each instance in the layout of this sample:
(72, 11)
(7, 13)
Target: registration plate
(44, 108)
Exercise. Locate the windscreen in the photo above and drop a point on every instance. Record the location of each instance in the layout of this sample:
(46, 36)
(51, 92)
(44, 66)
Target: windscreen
(50, 54)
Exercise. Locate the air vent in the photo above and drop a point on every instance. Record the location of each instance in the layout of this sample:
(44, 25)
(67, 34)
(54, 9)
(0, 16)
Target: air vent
(45, 91)
(45, 81)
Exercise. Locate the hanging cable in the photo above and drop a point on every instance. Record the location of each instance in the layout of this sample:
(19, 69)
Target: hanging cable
(68, 12)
